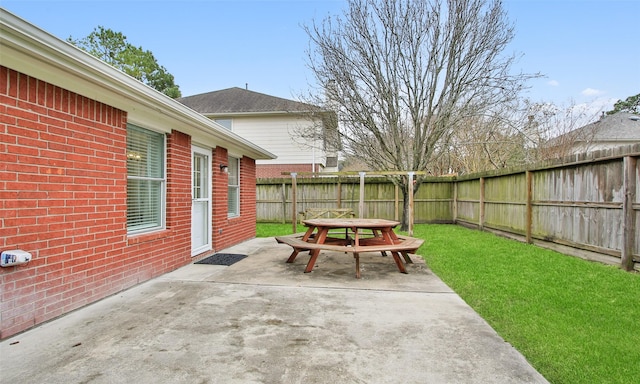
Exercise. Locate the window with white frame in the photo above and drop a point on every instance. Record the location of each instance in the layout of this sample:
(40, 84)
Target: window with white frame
(227, 123)
(234, 187)
(145, 180)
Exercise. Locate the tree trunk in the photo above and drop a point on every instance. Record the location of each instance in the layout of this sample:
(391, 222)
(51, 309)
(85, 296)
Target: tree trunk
(404, 221)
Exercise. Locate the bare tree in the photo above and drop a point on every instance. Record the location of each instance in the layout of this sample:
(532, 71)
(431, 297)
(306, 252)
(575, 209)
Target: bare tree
(402, 74)
(485, 143)
(520, 134)
(556, 129)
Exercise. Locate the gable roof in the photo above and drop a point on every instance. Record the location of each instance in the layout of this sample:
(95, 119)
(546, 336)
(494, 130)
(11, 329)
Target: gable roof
(619, 127)
(238, 101)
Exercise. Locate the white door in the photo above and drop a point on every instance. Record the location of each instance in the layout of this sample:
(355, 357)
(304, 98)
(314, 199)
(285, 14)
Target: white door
(200, 200)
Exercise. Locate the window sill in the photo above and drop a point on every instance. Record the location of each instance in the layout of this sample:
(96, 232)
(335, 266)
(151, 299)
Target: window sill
(147, 237)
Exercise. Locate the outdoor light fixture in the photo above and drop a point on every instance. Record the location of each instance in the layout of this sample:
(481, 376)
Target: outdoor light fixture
(224, 168)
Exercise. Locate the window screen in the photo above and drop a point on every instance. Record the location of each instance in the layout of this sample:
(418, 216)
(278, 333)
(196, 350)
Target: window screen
(145, 179)
(234, 187)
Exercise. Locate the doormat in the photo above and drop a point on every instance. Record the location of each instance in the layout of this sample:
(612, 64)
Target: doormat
(222, 259)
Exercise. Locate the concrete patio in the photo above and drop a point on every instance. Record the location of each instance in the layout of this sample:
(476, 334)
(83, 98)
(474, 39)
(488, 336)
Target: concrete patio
(262, 320)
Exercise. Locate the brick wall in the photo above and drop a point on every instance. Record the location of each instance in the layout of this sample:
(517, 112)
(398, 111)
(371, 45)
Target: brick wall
(63, 181)
(62, 198)
(229, 231)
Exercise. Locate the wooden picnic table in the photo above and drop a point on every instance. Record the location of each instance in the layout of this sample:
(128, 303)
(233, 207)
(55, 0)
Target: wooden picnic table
(351, 236)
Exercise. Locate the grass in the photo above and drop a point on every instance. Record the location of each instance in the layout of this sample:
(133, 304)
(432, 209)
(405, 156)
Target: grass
(575, 321)
(271, 229)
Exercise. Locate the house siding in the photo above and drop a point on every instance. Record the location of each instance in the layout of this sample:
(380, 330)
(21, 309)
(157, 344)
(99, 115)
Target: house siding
(276, 170)
(63, 179)
(274, 133)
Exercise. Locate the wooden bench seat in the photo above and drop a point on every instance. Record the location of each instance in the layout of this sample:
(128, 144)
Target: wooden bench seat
(408, 244)
(405, 246)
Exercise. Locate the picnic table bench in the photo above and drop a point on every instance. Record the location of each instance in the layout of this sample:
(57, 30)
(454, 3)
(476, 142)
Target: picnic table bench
(382, 239)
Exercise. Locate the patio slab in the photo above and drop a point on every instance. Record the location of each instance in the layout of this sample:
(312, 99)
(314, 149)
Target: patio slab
(262, 320)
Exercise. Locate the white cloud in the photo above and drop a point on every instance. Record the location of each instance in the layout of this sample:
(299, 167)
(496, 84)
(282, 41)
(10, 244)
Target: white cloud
(553, 83)
(591, 92)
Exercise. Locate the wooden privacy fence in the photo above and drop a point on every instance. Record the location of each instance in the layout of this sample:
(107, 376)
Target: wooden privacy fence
(587, 205)
(380, 198)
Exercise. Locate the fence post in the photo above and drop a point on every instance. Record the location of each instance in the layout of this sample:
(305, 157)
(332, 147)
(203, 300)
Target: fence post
(294, 202)
(628, 213)
(454, 209)
(284, 202)
(529, 218)
(361, 202)
(410, 193)
(481, 219)
(396, 202)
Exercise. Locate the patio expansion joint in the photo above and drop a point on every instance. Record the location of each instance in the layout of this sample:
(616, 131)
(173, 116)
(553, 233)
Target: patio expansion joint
(450, 292)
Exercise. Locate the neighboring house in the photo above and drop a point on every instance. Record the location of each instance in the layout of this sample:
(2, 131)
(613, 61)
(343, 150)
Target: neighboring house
(276, 124)
(611, 131)
(105, 181)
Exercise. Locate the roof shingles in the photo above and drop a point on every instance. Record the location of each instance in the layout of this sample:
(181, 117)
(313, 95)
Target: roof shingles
(622, 127)
(238, 100)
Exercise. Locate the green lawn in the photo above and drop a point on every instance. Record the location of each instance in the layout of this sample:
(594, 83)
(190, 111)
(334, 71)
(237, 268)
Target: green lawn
(270, 229)
(575, 321)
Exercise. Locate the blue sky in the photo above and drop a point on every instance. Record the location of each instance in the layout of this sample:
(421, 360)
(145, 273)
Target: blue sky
(589, 50)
